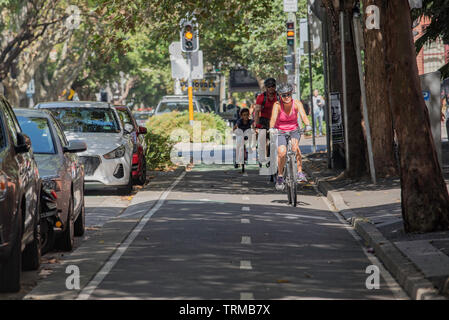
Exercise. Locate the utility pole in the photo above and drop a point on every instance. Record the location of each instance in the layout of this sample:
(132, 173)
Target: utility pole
(310, 75)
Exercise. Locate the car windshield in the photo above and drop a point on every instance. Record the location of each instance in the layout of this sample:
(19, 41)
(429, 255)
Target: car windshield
(38, 129)
(87, 119)
(142, 116)
(173, 106)
(124, 116)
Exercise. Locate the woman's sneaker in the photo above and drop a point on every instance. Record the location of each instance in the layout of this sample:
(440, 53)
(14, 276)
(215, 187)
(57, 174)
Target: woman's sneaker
(301, 177)
(280, 184)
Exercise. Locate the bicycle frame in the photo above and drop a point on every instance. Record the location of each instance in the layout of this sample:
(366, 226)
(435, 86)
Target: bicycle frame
(290, 170)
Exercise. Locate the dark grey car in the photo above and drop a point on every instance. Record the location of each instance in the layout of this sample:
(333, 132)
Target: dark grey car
(61, 171)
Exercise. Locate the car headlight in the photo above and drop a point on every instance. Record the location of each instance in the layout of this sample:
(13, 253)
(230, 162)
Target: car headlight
(3, 185)
(117, 153)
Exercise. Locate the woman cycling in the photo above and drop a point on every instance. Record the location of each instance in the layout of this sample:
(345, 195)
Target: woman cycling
(284, 118)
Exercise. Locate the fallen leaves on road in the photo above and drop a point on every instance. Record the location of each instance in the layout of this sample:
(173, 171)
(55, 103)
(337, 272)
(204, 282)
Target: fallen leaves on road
(308, 275)
(282, 281)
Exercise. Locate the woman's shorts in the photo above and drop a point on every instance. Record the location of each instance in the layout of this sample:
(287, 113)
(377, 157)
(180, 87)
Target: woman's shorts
(282, 140)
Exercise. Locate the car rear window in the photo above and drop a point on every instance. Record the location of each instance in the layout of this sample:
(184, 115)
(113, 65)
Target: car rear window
(38, 129)
(173, 106)
(142, 116)
(87, 119)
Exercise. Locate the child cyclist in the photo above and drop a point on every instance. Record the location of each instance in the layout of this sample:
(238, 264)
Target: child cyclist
(244, 124)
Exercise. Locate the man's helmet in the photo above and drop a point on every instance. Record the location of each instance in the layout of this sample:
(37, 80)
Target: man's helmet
(285, 88)
(270, 82)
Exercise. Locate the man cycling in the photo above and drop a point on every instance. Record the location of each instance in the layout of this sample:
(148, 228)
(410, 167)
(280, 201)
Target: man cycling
(285, 119)
(264, 104)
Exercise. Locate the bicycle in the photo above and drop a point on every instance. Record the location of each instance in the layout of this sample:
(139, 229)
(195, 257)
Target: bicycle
(290, 170)
(268, 153)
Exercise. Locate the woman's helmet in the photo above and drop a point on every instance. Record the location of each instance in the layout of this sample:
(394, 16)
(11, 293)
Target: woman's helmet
(270, 82)
(284, 88)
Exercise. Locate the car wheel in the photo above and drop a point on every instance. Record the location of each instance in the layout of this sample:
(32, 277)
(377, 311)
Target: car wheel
(47, 236)
(80, 221)
(10, 270)
(31, 256)
(129, 187)
(67, 239)
(143, 175)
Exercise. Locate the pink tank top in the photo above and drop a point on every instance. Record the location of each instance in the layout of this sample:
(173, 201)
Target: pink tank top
(287, 122)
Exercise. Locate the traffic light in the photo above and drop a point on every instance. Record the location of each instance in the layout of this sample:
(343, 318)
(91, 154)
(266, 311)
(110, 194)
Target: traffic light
(290, 33)
(189, 36)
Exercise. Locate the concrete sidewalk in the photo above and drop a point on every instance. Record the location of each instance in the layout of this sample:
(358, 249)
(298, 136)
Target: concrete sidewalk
(419, 262)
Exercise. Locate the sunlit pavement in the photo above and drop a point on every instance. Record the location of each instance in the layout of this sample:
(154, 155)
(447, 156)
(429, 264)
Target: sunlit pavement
(224, 235)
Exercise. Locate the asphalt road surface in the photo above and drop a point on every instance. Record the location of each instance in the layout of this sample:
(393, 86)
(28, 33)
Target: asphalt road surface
(219, 234)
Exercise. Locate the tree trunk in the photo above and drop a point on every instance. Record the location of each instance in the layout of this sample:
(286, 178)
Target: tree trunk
(379, 111)
(356, 141)
(425, 200)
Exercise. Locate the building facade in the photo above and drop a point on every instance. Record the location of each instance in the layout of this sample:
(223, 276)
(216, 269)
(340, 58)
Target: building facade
(434, 55)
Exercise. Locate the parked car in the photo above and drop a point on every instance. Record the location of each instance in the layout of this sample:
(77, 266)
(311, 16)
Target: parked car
(19, 202)
(177, 103)
(142, 117)
(107, 161)
(139, 164)
(61, 171)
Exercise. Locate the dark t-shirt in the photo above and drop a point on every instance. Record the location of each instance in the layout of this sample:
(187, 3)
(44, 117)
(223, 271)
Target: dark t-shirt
(243, 126)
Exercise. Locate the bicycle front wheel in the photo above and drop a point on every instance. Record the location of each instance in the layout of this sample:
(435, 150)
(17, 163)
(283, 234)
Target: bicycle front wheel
(292, 182)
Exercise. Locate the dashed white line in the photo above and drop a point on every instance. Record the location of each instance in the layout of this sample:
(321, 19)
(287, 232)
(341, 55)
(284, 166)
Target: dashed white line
(246, 265)
(246, 240)
(246, 296)
(244, 221)
(246, 209)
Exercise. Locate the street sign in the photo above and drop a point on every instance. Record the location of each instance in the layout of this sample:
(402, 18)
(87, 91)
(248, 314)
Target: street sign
(179, 65)
(290, 5)
(31, 90)
(197, 65)
(175, 49)
(179, 68)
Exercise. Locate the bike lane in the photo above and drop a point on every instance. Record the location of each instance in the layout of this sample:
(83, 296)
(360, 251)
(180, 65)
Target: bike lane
(223, 235)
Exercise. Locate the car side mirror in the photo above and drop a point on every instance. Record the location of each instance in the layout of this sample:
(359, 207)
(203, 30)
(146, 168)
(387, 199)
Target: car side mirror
(76, 146)
(23, 143)
(143, 130)
(128, 128)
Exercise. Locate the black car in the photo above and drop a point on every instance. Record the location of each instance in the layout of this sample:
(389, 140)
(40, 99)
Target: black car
(19, 202)
(61, 171)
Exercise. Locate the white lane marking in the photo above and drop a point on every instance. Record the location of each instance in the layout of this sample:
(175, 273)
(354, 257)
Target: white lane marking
(246, 296)
(395, 288)
(245, 174)
(99, 277)
(244, 220)
(245, 182)
(246, 209)
(246, 240)
(246, 265)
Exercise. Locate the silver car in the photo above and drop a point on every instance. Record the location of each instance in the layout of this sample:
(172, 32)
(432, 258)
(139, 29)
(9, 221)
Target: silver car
(177, 103)
(108, 159)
